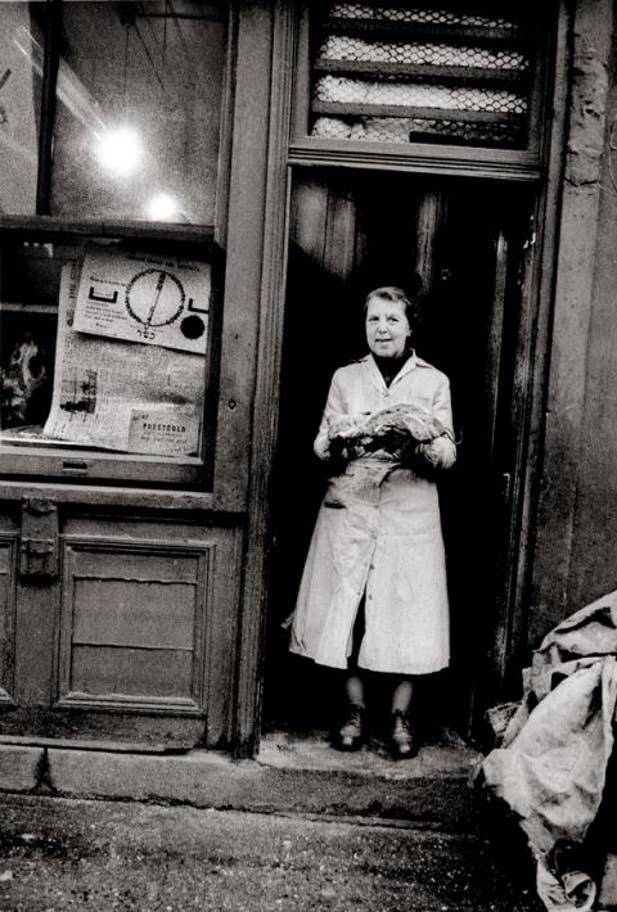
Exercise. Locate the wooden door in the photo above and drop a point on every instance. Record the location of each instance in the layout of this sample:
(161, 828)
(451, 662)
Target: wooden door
(351, 232)
(477, 313)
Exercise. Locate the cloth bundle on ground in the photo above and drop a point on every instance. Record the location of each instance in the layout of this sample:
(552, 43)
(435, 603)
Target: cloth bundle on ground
(551, 767)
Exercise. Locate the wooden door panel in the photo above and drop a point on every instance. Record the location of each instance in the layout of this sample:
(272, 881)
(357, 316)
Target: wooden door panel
(8, 549)
(133, 642)
(132, 624)
(133, 613)
(123, 675)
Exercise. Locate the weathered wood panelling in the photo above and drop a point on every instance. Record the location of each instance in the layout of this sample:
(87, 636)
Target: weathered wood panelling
(138, 613)
(134, 566)
(128, 629)
(7, 618)
(244, 253)
(136, 639)
(265, 74)
(145, 674)
(123, 609)
(579, 371)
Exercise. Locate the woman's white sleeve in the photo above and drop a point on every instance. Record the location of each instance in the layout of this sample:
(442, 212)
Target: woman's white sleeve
(334, 409)
(441, 452)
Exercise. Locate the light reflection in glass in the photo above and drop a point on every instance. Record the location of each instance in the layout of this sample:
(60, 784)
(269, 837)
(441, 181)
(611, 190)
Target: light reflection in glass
(119, 150)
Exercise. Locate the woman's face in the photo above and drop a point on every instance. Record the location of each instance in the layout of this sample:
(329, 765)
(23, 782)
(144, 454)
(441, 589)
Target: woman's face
(387, 328)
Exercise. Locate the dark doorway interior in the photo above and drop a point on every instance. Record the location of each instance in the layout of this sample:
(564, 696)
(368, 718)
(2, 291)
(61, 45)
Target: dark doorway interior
(350, 232)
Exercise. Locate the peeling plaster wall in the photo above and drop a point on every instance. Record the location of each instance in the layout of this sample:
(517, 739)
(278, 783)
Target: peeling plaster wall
(576, 545)
(590, 84)
(593, 565)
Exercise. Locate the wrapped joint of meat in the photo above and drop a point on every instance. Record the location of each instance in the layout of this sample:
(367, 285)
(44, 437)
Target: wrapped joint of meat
(387, 429)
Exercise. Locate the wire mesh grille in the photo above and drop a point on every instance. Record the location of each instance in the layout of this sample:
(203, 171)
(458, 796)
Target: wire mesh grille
(438, 74)
(343, 47)
(359, 91)
(404, 129)
(393, 14)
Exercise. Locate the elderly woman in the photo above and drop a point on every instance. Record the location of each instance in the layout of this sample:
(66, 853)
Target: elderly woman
(377, 549)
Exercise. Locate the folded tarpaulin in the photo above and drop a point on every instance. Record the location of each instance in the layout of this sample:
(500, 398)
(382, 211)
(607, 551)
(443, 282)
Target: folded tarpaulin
(551, 766)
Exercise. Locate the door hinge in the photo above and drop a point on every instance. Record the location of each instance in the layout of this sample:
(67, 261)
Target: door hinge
(38, 553)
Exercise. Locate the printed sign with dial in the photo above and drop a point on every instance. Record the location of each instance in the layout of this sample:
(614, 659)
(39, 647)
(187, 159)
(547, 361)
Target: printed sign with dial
(144, 298)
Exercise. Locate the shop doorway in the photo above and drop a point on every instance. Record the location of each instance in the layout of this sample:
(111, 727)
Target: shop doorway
(350, 232)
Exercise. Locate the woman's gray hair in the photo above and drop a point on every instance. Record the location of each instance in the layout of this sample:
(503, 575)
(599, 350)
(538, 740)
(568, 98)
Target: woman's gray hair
(394, 293)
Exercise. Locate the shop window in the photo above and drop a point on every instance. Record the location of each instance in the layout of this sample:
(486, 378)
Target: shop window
(112, 172)
(444, 74)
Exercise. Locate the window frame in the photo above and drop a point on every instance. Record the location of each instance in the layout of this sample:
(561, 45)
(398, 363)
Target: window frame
(426, 157)
(204, 241)
(124, 468)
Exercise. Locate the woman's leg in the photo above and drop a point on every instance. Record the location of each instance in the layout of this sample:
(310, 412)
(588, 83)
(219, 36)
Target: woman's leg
(354, 688)
(351, 734)
(403, 742)
(401, 696)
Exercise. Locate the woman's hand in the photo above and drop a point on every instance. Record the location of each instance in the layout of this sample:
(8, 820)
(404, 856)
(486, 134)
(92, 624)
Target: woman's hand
(343, 449)
(336, 446)
(429, 458)
(347, 439)
(394, 440)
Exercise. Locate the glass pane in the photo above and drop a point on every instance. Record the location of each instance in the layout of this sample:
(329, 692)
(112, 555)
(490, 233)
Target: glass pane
(21, 67)
(104, 348)
(139, 103)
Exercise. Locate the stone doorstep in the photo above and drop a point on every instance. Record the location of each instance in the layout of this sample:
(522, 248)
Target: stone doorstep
(443, 755)
(20, 767)
(290, 775)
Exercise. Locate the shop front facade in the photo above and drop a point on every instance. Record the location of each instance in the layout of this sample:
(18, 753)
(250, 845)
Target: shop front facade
(194, 199)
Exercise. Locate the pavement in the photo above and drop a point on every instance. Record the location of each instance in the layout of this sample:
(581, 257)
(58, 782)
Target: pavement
(58, 854)
(302, 827)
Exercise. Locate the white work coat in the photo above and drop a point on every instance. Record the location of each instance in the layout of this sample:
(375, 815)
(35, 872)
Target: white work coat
(378, 535)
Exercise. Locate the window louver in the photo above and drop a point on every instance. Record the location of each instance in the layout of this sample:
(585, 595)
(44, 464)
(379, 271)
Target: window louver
(400, 74)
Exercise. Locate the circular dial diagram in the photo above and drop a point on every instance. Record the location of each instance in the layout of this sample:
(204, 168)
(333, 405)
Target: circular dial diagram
(154, 298)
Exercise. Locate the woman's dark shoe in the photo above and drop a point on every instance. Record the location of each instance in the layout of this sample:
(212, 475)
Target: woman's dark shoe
(403, 743)
(351, 734)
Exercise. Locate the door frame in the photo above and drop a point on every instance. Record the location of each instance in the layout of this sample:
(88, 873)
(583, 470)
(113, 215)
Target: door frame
(532, 361)
(514, 641)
